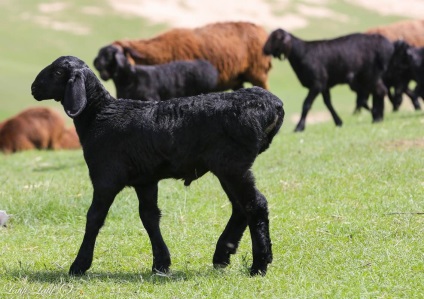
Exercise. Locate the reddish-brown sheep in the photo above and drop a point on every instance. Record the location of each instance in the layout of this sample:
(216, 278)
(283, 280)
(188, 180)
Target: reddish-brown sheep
(234, 48)
(410, 31)
(34, 128)
(69, 139)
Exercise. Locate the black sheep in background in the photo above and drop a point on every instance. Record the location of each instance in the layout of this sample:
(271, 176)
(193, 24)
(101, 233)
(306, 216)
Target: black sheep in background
(156, 82)
(356, 59)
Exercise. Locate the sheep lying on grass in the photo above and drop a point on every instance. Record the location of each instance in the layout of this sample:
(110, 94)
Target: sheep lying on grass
(157, 82)
(36, 128)
(357, 59)
(234, 48)
(138, 143)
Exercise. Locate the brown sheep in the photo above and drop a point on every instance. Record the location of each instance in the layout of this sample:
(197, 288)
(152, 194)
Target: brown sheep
(234, 48)
(69, 139)
(33, 128)
(410, 31)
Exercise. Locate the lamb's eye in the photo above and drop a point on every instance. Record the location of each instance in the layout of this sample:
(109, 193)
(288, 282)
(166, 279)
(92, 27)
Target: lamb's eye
(58, 73)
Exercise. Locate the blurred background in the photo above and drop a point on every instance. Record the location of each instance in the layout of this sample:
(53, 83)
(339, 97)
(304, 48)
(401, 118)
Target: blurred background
(34, 33)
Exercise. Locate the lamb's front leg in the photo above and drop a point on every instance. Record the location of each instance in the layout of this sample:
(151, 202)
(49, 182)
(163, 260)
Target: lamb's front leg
(102, 200)
(150, 216)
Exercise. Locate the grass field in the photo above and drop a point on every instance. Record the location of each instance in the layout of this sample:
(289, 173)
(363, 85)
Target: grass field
(344, 203)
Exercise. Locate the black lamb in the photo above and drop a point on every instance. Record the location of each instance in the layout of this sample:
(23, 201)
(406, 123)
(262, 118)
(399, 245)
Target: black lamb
(157, 82)
(138, 143)
(356, 59)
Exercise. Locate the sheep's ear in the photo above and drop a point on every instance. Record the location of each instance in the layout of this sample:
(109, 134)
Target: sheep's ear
(75, 98)
(133, 53)
(121, 60)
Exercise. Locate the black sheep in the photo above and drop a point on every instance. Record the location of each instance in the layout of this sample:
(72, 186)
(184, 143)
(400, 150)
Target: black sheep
(397, 77)
(138, 143)
(356, 59)
(416, 60)
(156, 82)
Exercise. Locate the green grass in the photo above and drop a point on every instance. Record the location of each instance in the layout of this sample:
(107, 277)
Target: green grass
(331, 196)
(343, 201)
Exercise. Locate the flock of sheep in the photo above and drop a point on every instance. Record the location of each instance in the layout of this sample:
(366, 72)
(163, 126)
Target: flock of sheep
(173, 118)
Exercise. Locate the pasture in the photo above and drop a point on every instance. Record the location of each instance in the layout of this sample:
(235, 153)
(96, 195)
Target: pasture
(346, 204)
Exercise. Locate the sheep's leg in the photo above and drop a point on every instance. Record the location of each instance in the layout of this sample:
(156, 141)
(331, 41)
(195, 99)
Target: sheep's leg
(102, 200)
(396, 98)
(229, 240)
(255, 208)
(307, 104)
(414, 98)
(378, 95)
(327, 102)
(150, 216)
(361, 102)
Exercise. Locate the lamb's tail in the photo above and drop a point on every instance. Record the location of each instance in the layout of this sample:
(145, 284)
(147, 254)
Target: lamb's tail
(274, 121)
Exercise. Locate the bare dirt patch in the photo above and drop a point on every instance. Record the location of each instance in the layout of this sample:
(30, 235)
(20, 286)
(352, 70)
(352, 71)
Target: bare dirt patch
(404, 144)
(313, 117)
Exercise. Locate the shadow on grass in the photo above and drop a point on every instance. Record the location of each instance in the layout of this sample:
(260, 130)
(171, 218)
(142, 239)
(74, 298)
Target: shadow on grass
(56, 276)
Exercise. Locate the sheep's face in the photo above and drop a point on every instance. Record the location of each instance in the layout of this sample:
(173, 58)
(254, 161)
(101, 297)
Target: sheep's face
(105, 62)
(63, 81)
(416, 57)
(278, 44)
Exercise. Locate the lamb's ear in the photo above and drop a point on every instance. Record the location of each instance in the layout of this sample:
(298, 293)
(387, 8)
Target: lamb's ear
(75, 98)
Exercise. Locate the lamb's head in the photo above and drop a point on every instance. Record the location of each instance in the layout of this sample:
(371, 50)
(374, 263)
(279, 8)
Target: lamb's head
(106, 60)
(63, 80)
(278, 43)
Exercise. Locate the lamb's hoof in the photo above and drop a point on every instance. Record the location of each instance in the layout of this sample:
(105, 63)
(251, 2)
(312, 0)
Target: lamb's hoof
(76, 271)
(160, 270)
(258, 271)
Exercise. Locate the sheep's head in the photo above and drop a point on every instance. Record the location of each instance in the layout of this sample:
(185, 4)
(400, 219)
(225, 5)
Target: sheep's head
(64, 81)
(106, 60)
(416, 57)
(279, 43)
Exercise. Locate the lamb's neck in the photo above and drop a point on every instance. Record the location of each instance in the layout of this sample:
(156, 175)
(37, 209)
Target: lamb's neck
(96, 92)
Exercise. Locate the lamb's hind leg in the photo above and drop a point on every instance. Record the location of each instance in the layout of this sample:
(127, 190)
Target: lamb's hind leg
(255, 208)
(150, 216)
(102, 200)
(229, 240)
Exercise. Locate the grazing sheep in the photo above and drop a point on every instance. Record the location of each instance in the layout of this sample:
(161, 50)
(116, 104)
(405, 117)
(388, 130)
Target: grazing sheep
(234, 48)
(410, 31)
(158, 82)
(34, 128)
(138, 143)
(357, 59)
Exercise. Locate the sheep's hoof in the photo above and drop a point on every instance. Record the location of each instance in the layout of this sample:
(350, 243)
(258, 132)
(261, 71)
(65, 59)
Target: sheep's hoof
(220, 265)
(377, 120)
